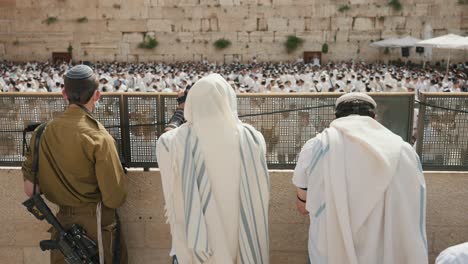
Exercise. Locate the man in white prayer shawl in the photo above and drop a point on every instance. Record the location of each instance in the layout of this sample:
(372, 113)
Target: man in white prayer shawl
(215, 181)
(364, 190)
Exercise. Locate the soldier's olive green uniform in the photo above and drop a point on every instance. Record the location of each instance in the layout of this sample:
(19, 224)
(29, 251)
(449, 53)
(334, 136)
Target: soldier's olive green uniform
(78, 167)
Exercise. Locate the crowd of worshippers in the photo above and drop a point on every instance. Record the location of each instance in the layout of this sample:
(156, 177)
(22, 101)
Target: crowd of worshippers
(245, 78)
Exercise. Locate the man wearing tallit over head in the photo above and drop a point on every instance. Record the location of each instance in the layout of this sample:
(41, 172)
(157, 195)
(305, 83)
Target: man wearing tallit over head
(364, 190)
(215, 181)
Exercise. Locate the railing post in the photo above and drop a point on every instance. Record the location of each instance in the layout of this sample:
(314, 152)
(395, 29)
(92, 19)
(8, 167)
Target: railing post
(420, 126)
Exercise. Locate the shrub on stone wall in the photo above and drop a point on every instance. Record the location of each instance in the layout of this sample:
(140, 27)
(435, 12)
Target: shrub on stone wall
(50, 20)
(344, 8)
(148, 43)
(222, 43)
(292, 43)
(463, 2)
(325, 48)
(82, 20)
(396, 5)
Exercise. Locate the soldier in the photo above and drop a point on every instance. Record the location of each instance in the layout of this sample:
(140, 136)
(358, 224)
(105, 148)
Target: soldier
(79, 168)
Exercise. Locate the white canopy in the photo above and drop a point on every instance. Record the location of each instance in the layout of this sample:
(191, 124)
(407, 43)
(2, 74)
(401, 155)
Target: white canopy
(450, 41)
(407, 41)
(386, 43)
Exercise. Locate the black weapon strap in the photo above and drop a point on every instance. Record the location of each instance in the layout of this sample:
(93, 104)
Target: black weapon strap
(35, 164)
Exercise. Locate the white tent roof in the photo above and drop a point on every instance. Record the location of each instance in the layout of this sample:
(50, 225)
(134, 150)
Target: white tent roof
(383, 43)
(407, 41)
(450, 41)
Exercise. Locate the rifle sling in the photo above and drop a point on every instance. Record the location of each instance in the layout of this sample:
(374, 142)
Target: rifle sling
(35, 164)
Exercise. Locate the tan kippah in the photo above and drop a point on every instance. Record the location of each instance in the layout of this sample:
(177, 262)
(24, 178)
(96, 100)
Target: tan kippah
(349, 97)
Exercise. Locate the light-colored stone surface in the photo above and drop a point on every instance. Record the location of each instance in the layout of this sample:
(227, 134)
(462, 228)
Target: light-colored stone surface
(268, 21)
(148, 237)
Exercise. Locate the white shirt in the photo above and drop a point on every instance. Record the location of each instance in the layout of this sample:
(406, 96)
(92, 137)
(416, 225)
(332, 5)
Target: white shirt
(457, 254)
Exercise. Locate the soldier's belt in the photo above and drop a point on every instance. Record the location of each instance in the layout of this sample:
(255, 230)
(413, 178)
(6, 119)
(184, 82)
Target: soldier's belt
(89, 210)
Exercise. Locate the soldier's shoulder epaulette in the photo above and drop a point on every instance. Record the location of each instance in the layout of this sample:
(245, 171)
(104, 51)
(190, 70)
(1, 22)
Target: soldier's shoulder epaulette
(96, 124)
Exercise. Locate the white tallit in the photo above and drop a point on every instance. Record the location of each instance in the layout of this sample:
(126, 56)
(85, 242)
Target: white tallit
(373, 199)
(219, 188)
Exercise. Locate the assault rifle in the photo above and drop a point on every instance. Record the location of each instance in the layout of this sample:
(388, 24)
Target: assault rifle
(74, 244)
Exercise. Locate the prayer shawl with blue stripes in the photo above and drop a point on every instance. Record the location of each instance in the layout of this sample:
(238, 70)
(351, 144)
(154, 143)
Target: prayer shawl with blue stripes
(373, 205)
(254, 198)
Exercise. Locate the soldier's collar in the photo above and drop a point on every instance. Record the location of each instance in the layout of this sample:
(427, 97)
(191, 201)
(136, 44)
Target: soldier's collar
(84, 109)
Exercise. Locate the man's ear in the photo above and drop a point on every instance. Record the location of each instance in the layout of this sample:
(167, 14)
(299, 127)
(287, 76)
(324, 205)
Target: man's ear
(64, 94)
(97, 95)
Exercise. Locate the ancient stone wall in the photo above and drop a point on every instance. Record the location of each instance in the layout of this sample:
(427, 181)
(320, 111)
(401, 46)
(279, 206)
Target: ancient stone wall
(148, 236)
(186, 29)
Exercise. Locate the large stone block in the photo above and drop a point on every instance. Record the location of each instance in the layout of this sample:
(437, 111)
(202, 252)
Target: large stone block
(363, 35)
(11, 255)
(395, 23)
(7, 3)
(445, 196)
(290, 257)
(5, 26)
(363, 24)
(7, 12)
(34, 255)
(172, 13)
(449, 236)
(289, 237)
(282, 204)
(341, 23)
(277, 24)
(29, 233)
(132, 37)
(145, 201)
(134, 233)
(296, 25)
(157, 235)
(148, 255)
(160, 25)
(139, 25)
(313, 24)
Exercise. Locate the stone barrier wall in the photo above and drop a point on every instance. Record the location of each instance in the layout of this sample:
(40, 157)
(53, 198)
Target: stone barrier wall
(110, 30)
(149, 239)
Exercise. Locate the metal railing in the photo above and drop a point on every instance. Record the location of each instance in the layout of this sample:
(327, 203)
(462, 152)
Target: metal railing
(443, 131)
(136, 120)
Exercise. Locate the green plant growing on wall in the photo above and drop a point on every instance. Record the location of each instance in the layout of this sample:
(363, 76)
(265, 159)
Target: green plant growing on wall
(292, 43)
(50, 20)
(343, 8)
(82, 20)
(222, 43)
(325, 48)
(396, 5)
(148, 43)
(462, 2)
(386, 51)
(381, 18)
(16, 43)
(70, 48)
